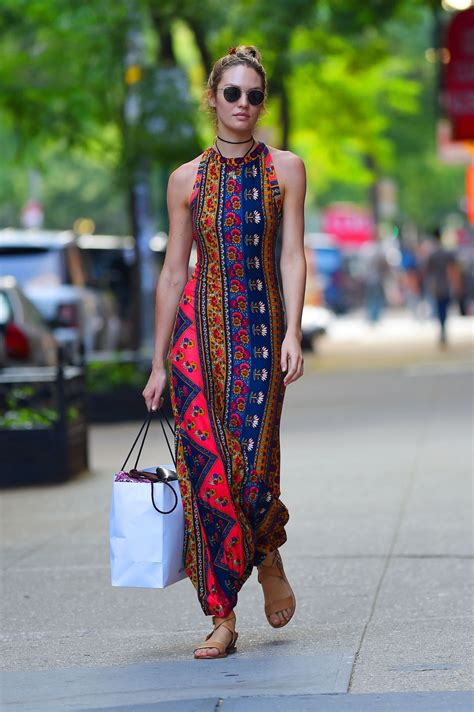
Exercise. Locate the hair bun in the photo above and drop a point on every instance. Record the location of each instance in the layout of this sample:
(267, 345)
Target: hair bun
(248, 50)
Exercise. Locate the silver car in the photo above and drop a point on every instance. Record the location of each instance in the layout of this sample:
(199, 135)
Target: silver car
(49, 267)
(25, 339)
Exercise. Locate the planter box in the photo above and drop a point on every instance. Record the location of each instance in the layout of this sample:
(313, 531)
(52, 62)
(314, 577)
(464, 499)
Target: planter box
(55, 452)
(122, 404)
(42, 455)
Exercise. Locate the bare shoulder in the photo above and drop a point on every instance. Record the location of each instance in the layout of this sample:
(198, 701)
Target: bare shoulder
(289, 167)
(286, 160)
(181, 180)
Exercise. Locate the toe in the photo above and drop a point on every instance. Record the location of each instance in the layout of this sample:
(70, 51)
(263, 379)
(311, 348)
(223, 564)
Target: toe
(206, 653)
(275, 619)
(281, 617)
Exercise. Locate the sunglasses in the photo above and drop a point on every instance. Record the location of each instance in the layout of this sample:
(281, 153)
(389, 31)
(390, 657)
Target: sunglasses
(233, 94)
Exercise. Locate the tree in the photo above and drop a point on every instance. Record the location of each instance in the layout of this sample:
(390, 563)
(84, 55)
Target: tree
(348, 87)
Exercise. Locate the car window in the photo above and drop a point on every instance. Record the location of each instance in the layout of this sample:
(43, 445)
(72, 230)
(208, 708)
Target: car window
(31, 314)
(5, 309)
(105, 267)
(31, 266)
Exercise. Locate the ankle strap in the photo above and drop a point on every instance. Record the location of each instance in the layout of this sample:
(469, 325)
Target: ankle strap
(218, 621)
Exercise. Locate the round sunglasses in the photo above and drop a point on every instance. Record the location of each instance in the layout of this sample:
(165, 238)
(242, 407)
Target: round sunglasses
(233, 94)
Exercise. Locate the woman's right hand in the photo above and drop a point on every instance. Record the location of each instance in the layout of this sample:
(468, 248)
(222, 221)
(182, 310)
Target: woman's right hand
(153, 390)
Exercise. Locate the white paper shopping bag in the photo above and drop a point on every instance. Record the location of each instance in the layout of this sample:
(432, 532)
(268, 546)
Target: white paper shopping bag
(146, 523)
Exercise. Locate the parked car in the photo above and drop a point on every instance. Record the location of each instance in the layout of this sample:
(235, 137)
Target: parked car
(337, 271)
(25, 339)
(316, 318)
(49, 267)
(109, 265)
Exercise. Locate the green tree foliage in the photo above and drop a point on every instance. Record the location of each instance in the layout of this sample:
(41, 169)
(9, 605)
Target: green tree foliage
(348, 82)
(428, 189)
(61, 68)
(60, 104)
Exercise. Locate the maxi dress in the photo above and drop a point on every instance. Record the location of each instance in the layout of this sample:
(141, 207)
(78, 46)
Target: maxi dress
(226, 382)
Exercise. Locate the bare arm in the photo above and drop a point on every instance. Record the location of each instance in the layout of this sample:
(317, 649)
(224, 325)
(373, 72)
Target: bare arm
(293, 263)
(172, 280)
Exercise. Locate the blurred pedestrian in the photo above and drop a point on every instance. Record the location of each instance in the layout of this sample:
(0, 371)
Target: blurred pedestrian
(466, 282)
(410, 278)
(442, 279)
(232, 352)
(376, 272)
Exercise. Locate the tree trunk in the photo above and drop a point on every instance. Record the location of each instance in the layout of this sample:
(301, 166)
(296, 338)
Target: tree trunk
(165, 53)
(135, 318)
(373, 194)
(200, 39)
(143, 276)
(284, 117)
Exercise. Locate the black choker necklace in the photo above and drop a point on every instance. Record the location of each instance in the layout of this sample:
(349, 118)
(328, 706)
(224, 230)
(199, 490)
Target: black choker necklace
(226, 141)
(235, 157)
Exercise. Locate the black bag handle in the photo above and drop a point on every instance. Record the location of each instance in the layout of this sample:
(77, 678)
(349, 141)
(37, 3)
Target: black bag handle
(145, 427)
(175, 498)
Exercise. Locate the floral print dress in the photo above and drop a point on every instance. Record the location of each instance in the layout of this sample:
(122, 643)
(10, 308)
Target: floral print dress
(226, 384)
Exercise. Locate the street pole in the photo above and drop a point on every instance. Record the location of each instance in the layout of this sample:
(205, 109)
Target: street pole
(373, 192)
(140, 192)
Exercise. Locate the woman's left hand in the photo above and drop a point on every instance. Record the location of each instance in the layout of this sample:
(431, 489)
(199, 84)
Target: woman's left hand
(291, 358)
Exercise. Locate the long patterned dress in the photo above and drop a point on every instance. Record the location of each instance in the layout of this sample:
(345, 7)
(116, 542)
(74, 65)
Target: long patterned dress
(226, 384)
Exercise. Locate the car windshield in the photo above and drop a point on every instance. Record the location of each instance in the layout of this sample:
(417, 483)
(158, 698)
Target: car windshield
(31, 266)
(5, 309)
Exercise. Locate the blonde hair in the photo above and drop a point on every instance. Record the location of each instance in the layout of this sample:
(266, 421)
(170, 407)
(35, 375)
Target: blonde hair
(247, 55)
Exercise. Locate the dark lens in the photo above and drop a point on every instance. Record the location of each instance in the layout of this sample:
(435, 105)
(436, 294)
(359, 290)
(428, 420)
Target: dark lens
(231, 94)
(256, 97)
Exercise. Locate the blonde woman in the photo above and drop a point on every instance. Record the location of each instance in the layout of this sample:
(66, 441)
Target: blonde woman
(232, 335)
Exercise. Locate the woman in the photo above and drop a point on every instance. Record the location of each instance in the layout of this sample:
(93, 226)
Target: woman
(232, 354)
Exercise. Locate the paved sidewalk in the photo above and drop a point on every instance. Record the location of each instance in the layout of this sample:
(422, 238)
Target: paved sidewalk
(398, 340)
(376, 472)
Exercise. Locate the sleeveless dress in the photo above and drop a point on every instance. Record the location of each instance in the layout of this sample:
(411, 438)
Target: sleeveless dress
(226, 382)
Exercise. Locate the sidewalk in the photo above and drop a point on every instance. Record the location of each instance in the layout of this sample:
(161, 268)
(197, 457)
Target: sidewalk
(397, 340)
(376, 472)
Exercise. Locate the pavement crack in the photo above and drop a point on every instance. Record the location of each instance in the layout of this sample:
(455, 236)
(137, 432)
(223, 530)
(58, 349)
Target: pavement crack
(401, 514)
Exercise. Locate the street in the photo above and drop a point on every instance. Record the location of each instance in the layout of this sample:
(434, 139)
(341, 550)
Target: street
(376, 473)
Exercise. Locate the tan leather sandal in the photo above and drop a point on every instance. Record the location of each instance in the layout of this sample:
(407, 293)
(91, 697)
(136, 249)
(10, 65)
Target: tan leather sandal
(267, 572)
(224, 650)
